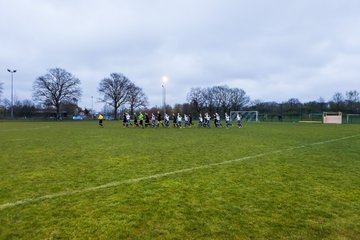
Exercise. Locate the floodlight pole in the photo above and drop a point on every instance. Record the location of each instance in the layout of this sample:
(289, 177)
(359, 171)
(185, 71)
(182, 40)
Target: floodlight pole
(164, 80)
(12, 91)
(92, 103)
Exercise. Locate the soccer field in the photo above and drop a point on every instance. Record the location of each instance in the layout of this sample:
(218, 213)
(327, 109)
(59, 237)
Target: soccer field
(73, 180)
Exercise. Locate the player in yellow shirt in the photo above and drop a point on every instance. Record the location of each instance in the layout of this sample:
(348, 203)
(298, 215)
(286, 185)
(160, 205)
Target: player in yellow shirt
(101, 117)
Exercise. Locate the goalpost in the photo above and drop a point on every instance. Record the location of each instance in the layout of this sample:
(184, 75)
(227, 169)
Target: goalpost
(332, 117)
(249, 116)
(353, 118)
(316, 116)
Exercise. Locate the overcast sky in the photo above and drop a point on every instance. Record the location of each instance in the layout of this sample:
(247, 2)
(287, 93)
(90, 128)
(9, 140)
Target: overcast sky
(273, 50)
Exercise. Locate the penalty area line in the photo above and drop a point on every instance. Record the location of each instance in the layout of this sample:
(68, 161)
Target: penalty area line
(160, 175)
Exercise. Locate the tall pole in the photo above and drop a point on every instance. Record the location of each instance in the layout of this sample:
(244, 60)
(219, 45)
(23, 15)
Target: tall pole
(92, 107)
(164, 80)
(12, 91)
(92, 103)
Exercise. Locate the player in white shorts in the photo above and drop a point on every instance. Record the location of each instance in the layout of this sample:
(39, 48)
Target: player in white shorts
(167, 120)
(227, 120)
(179, 118)
(207, 120)
(238, 118)
(201, 121)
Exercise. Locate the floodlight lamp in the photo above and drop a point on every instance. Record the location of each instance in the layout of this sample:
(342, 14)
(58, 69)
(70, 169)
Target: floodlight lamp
(164, 79)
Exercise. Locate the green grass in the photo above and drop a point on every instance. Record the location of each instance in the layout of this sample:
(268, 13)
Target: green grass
(295, 190)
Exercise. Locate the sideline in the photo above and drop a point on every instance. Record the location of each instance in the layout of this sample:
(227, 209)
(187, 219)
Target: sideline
(160, 175)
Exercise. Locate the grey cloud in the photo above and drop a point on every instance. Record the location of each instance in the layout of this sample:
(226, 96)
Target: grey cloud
(264, 47)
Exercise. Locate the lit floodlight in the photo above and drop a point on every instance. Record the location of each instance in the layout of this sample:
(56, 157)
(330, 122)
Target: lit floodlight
(164, 79)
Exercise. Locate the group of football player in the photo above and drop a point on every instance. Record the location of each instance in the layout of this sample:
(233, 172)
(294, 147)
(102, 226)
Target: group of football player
(178, 121)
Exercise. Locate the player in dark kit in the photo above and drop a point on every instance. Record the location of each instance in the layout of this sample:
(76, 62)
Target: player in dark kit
(190, 120)
(124, 119)
(147, 120)
(174, 120)
(159, 120)
(136, 120)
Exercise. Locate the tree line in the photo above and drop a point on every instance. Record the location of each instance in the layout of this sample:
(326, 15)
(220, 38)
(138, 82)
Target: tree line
(218, 99)
(59, 91)
(118, 90)
(293, 108)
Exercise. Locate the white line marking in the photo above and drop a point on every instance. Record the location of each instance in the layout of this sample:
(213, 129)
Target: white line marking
(160, 175)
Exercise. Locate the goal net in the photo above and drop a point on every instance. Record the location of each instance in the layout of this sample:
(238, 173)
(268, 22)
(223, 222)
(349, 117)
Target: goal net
(332, 118)
(353, 118)
(316, 117)
(249, 116)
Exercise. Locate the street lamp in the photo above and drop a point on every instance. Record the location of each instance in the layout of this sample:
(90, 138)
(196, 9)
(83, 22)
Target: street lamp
(92, 106)
(12, 91)
(92, 102)
(164, 80)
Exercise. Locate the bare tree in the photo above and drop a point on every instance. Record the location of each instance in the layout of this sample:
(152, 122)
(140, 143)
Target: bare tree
(115, 90)
(337, 103)
(292, 106)
(136, 98)
(209, 100)
(196, 99)
(57, 87)
(338, 98)
(352, 101)
(217, 95)
(238, 99)
(217, 99)
(352, 96)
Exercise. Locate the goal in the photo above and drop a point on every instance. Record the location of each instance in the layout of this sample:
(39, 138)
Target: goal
(353, 118)
(249, 116)
(316, 117)
(332, 118)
